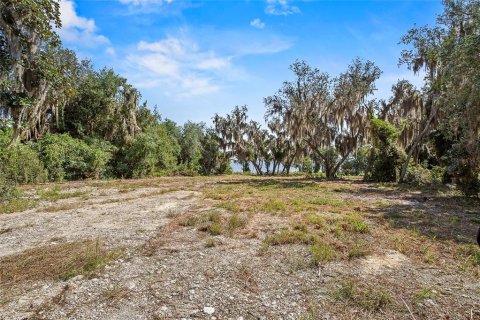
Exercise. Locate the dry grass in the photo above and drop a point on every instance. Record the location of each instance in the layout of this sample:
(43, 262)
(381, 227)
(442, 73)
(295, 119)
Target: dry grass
(55, 193)
(56, 262)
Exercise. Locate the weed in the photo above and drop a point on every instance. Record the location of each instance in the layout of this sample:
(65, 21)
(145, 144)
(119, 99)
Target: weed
(322, 252)
(215, 228)
(189, 221)
(374, 299)
(316, 221)
(357, 253)
(290, 237)
(55, 193)
(230, 206)
(210, 243)
(369, 298)
(423, 294)
(273, 206)
(235, 222)
(471, 253)
(345, 292)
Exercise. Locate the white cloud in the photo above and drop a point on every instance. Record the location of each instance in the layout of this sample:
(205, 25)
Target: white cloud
(280, 8)
(182, 67)
(111, 51)
(78, 30)
(177, 65)
(257, 23)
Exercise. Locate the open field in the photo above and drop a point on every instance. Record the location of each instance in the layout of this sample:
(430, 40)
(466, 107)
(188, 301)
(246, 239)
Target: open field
(239, 247)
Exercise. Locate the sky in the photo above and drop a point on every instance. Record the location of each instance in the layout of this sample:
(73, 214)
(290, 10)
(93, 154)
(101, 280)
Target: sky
(192, 59)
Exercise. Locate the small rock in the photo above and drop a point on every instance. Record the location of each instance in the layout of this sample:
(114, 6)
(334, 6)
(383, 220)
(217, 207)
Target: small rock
(209, 310)
(77, 278)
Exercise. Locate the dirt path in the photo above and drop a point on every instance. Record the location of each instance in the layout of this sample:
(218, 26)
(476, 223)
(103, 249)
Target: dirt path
(175, 264)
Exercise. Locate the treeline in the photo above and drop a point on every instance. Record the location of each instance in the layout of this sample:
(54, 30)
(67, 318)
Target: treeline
(62, 119)
(332, 124)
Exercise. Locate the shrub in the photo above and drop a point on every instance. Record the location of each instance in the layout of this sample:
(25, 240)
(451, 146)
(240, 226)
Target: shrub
(21, 164)
(68, 158)
(385, 157)
(152, 152)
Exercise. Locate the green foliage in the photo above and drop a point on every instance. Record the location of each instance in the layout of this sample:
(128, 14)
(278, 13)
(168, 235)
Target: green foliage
(152, 152)
(68, 158)
(21, 164)
(103, 107)
(420, 175)
(307, 165)
(385, 157)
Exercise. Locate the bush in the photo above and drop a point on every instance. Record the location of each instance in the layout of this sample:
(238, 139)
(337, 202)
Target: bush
(152, 152)
(385, 157)
(68, 158)
(21, 164)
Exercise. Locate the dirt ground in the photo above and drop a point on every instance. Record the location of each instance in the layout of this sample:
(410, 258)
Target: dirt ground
(240, 247)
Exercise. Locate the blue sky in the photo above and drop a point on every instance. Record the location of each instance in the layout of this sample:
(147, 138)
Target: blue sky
(196, 58)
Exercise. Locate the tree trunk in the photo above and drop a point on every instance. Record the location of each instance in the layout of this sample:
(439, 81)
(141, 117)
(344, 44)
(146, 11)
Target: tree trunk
(415, 144)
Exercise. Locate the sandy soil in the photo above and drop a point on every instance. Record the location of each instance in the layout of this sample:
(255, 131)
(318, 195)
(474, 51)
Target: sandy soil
(171, 270)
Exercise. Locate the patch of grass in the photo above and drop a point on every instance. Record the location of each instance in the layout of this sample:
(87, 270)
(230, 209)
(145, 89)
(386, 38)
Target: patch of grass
(273, 206)
(290, 237)
(327, 201)
(423, 294)
(235, 221)
(345, 292)
(55, 193)
(210, 243)
(229, 205)
(62, 207)
(61, 262)
(215, 228)
(190, 221)
(17, 204)
(359, 226)
(374, 299)
(322, 252)
(371, 298)
(316, 221)
(358, 251)
(471, 253)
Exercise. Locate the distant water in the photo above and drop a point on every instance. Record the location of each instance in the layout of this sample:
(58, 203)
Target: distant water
(237, 168)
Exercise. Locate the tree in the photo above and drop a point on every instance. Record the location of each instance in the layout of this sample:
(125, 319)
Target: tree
(449, 54)
(328, 116)
(27, 40)
(105, 106)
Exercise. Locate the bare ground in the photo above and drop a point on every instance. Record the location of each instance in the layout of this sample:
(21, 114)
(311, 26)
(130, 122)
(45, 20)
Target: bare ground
(240, 248)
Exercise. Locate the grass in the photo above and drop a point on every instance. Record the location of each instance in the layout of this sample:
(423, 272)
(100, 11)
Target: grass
(371, 298)
(322, 252)
(62, 207)
(17, 204)
(55, 193)
(328, 202)
(57, 262)
(423, 294)
(273, 206)
(235, 221)
(210, 243)
(286, 236)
